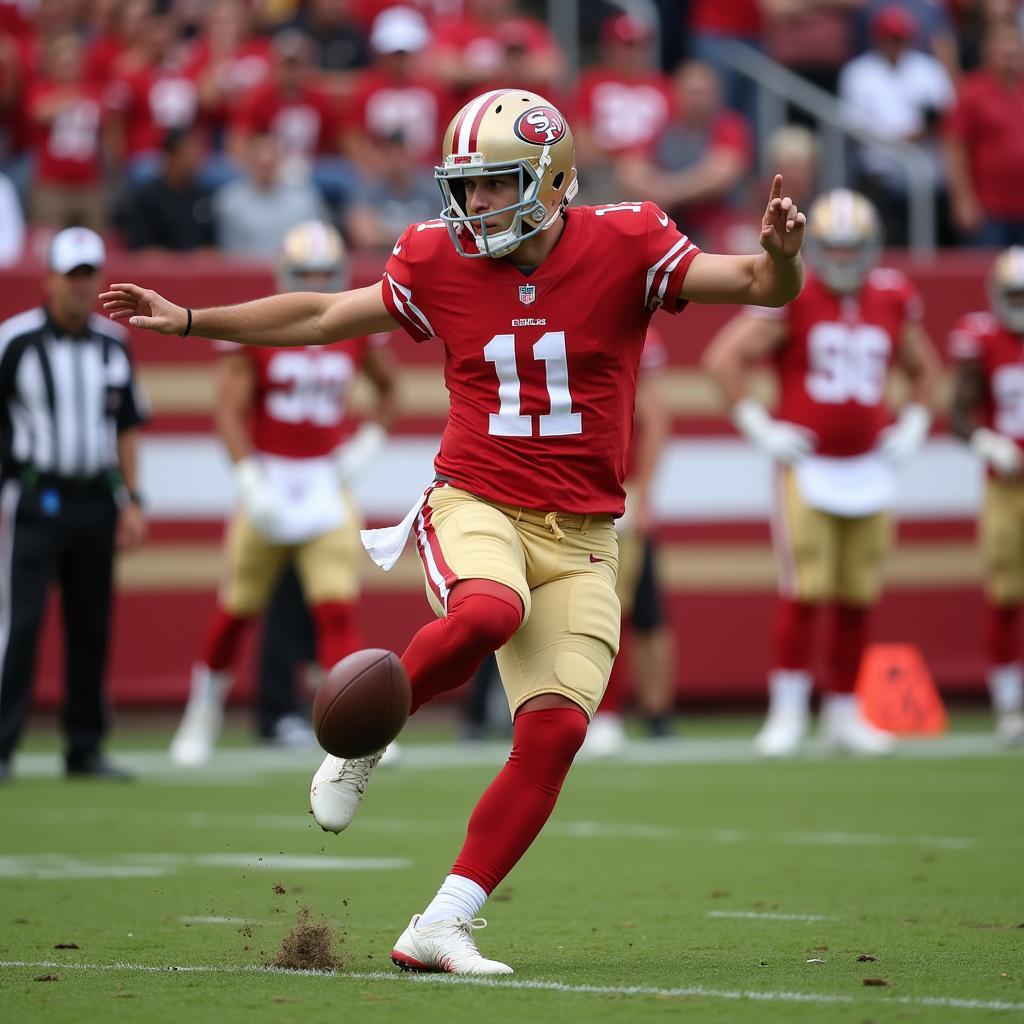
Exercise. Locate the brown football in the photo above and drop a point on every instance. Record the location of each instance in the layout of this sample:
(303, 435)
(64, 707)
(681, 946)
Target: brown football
(362, 704)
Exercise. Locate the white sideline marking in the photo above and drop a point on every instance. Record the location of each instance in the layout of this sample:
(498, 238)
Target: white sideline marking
(49, 866)
(755, 915)
(214, 919)
(247, 766)
(521, 984)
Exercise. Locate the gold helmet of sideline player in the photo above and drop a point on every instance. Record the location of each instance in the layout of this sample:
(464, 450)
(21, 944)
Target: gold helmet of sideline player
(312, 259)
(1006, 288)
(507, 131)
(844, 239)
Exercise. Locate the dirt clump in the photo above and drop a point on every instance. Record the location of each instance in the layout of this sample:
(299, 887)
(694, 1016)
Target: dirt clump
(309, 946)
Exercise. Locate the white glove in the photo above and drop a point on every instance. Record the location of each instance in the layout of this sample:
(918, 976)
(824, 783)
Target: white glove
(351, 458)
(906, 436)
(783, 441)
(258, 497)
(998, 450)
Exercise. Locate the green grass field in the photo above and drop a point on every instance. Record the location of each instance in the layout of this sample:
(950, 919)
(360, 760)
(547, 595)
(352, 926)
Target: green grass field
(686, 883)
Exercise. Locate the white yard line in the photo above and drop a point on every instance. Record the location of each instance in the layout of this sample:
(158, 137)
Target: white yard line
(50, 866)
(754, 915)
(752, 995)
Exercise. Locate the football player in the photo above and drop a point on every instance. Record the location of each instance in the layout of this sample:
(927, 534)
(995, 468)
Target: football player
(988, 413)
(282, 415)
(836, 452)
(543, 309)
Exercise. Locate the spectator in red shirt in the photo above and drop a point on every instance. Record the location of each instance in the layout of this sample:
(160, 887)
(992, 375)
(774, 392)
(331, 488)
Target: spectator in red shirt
(622, 105)
(985, 145)
(397, 96)
(494, 46)
(300, 115)
(129, 23)
(341, 49)
(228, 61)
(150, 91)
(714, 26)
(697, 165)
(68, 125)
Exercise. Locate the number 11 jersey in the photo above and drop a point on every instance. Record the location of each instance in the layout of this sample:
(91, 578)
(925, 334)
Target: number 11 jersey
(541, 368)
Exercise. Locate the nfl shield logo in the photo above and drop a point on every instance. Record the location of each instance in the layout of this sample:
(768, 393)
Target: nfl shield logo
(527, 293)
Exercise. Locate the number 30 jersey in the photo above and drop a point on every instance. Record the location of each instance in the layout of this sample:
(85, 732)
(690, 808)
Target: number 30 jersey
(833, 365)
(981, 337)
(300, 400)
(541, 368)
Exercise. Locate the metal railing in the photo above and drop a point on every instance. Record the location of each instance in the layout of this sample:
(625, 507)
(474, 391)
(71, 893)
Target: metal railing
(778, 88)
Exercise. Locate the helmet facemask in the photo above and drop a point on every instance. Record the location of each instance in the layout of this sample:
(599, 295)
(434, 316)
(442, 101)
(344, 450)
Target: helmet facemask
(1006, 289)
(844, 240)
(529, 214)
(312, 260)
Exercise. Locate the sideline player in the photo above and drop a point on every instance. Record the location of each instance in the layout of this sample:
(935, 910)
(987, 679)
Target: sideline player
(543, 309)
(988, 413)
(283, 418)
(835, 452)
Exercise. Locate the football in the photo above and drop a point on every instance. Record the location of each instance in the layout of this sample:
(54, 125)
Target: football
(362, 704)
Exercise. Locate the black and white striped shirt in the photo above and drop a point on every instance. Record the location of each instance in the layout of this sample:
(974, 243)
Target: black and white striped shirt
(63, 399)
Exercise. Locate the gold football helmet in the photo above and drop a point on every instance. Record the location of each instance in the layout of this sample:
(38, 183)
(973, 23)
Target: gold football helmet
(844, 239)
(1006, 288)
(507, 131)
(312, 259)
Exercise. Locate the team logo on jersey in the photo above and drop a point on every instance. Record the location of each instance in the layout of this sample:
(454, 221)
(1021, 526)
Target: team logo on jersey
(541, 126)
(527, 293)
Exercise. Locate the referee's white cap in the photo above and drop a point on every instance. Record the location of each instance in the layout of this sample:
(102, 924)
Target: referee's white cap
(76, 247)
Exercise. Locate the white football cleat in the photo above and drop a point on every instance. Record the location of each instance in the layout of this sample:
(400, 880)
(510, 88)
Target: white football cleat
(1010, 728)
(845, 730)
(293, 732)
(782, 734)
(337, 789)
(200, 725)
(444, 946)
(606, 737)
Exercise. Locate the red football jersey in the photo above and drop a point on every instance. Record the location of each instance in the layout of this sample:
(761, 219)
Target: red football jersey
(541, 369)
(151, 101)
(623, 114)
(305, 124)
(834, 364)
(418, 107)
(67, 147)
(981, 337)
(301, 402)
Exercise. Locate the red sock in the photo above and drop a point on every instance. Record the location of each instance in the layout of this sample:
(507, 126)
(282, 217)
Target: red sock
(618, 684)
(515, 806)
(1002, 634)
(846, 645)
(220, 645)
(794, 631)
(482, 616)
(336, 631)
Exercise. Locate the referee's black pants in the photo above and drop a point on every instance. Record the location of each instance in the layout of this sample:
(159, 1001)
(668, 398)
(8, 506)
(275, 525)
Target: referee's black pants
(65, 535)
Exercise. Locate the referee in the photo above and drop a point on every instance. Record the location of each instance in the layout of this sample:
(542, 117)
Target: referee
(69, 413)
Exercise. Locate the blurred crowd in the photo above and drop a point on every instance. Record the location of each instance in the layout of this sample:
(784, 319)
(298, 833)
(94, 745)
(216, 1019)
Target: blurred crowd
(190, 124)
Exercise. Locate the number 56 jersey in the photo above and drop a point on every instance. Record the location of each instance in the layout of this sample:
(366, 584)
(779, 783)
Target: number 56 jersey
(833, 365)
(541, 368)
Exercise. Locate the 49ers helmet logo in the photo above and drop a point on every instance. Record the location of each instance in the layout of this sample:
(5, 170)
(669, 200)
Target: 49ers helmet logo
(540, 125)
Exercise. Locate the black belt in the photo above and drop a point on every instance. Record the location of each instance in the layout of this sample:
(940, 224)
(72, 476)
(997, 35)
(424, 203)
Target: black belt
(98, 483)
